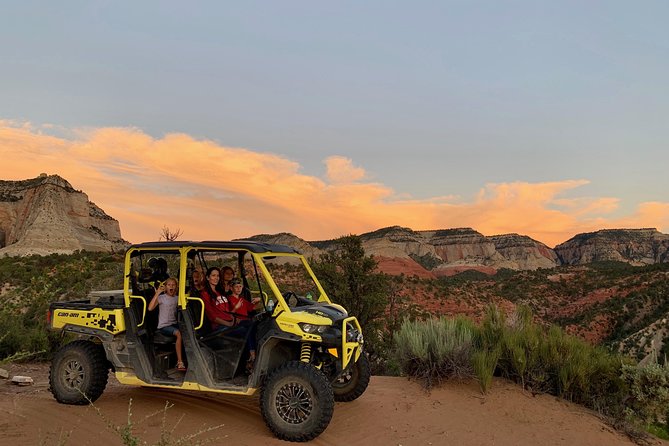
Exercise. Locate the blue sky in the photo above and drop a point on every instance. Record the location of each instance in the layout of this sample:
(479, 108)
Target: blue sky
(429, 98)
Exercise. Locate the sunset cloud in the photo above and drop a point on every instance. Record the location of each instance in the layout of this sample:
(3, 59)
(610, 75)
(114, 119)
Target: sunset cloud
(342, 170)
(216, 192)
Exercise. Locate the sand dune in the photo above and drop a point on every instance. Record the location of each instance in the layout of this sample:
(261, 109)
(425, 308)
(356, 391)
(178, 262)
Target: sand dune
(393, 411)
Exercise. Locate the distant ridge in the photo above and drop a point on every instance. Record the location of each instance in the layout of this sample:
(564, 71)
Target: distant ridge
(433, 253)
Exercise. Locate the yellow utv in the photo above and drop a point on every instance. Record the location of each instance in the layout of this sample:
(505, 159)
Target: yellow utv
(309, 350)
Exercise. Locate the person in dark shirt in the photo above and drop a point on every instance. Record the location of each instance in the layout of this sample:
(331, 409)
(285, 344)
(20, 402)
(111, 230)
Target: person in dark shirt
(198, 286)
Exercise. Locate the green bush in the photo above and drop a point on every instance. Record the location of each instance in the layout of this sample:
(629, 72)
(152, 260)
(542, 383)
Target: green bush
(649, 393)
(435, 349)
(549, 361)
(35, 282)
(484, 363)
(515, 347)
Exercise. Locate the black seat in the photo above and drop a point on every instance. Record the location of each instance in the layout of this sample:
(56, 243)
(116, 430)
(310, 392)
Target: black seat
(226, 349)
(155, 335)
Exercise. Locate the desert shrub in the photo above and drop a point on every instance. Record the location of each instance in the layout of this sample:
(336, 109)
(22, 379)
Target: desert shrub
(35, 282)
(519, 358)
(648, 393)
(547, 360)
(435, 349)
(539, 359)
(128, 435)
(484, 363)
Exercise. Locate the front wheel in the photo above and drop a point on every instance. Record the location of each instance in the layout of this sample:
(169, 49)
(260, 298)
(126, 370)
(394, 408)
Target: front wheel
(78, 373)
(353, 381)
(296, 402)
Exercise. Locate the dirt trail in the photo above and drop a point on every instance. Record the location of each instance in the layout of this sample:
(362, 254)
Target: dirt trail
(393, 411)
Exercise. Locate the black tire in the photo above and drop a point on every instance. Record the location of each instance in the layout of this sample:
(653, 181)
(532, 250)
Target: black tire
(296, 402)
(78, 373)
(354, 381)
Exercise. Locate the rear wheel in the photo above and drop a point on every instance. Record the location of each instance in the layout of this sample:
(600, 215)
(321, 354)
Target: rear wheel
(296, 402)
(353, 381)
(79, 373)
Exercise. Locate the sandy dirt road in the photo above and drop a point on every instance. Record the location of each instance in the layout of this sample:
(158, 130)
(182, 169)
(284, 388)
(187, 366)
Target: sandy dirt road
(393, 411)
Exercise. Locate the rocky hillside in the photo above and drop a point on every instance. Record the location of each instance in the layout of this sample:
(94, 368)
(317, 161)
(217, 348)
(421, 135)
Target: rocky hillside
(47, 215)
(444, 252)
(634, 246)
(429, 254)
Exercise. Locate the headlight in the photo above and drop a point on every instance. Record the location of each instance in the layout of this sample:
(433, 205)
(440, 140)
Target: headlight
(312, 328)
(353, 335)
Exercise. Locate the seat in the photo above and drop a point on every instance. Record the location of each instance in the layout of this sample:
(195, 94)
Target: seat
(227, 349)
(160, 345)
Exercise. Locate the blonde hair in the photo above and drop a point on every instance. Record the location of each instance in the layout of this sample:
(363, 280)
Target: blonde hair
(176, 282)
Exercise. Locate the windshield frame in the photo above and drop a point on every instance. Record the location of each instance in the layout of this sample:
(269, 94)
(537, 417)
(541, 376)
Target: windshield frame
(323, 297)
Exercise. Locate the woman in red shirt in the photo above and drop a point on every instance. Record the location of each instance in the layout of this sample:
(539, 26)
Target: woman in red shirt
(216, 304)
(231, 311)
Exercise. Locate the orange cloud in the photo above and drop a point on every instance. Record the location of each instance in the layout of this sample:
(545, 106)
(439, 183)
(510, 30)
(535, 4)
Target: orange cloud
(341, 170)
(216, 192)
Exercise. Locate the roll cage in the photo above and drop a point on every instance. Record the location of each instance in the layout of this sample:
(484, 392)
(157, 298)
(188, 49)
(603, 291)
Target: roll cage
(185, 257)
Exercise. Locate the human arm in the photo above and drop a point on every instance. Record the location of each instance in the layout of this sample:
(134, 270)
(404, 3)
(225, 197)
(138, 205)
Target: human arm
(241, 307)
(217, 314)
(154, 302)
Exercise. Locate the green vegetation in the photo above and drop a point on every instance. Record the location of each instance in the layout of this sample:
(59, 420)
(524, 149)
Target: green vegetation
(128, 436)
(540, 360)
(523, 347)
(348, 276)
(32, 283)
(436, 349)
(648, 399)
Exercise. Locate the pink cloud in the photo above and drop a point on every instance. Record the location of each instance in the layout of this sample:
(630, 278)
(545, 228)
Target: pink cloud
(216, 192)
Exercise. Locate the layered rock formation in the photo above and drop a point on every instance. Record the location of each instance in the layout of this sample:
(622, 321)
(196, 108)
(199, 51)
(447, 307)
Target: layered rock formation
(450, 251)
(634, 246)
(47, 215)
(441, 252)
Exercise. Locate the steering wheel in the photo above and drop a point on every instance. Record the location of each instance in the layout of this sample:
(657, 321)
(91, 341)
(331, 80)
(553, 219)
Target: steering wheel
(291, 298)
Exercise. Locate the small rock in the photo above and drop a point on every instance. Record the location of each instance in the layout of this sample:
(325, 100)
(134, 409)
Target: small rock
(22, 380)
(4, 374)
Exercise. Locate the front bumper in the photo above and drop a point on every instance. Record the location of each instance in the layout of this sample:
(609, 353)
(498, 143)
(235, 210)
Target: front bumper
(351, 341)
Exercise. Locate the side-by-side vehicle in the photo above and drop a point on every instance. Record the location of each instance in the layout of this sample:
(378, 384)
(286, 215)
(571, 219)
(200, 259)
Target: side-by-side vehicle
(309, 350)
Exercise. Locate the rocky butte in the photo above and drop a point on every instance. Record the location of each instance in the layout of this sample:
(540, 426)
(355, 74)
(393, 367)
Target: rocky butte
(635, 246)
(47, 215)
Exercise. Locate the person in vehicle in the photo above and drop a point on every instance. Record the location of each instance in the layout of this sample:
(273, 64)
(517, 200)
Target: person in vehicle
(159, 272)
(220, 312)
(166, 300)
(241, 309)
(198, 283)
(240, 306)
(227, 274)
(216, 304)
